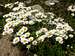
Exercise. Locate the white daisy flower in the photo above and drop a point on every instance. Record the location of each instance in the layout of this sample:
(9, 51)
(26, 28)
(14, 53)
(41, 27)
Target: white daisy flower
(35, 55)
(49, 34)
(6, 28)
(27, 34)
(4, 33)
(19, 33)
(34, 42)
(8, 24)
(31, 38)
(25, 29)
(44, 30)
(22, 30)
(23, 36)
(10, 31)
(61, 42)
(38, 32)
(16, 40)
(41, 38)
(68, 45)
(31, 22)
(24, 41)
(71, 47)
(72, 14)
(8, 19)
(28, 46)
(15, 9)
(70, 35)
(66, 37)
(59, 39)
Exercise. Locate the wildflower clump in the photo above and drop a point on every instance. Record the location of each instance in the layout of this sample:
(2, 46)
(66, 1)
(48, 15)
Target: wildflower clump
(30, 26)
(71, 8)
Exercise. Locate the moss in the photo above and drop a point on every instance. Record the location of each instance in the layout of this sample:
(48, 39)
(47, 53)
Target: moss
(46, 49)
(2, 23)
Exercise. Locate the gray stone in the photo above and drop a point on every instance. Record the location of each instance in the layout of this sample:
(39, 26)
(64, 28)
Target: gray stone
(38, 7)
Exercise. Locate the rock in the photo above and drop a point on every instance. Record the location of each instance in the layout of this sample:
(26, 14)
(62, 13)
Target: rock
(28, 1)
(51, 2)
(38, 7)
(6, 48)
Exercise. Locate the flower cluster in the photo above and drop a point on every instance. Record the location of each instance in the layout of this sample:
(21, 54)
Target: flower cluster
(72, 9)
(25, 18)
(60, 31)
